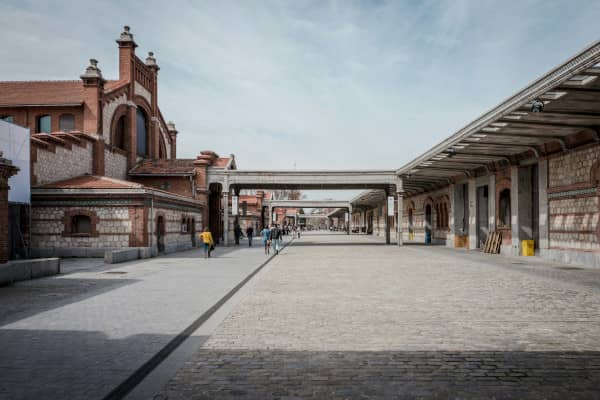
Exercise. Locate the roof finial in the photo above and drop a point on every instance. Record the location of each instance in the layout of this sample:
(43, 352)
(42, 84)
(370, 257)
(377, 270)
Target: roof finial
(92, 71)
(150, 60)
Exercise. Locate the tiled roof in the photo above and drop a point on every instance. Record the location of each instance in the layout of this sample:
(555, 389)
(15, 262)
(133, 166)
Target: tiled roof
(41, 93)
(111, 85)
(164, 167)
(91, 182)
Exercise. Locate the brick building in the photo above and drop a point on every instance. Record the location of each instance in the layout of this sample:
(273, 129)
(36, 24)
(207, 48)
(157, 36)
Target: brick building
(104, 170)
(528, 169)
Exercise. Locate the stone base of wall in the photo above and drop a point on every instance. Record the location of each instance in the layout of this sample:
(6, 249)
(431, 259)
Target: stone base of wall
(68, 252)
(589, 259)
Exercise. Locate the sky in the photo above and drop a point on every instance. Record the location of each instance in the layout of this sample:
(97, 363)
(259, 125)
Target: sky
(308, 84)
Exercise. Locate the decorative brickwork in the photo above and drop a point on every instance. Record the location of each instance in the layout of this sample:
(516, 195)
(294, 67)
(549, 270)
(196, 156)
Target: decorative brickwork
(574, 202)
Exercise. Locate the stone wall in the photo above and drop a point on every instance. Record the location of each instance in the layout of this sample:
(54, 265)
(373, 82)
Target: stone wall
(573, 201)
(115, 164)
(175, 237)
(112, 227)
(58, 163)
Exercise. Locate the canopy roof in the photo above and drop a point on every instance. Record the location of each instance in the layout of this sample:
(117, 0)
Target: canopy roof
(558, 111)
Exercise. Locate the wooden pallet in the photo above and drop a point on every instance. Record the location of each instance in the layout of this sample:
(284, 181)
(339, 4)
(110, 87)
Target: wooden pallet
(492, 243)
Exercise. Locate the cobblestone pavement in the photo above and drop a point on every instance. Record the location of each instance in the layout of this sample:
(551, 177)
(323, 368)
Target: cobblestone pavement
(80, 334)
(336, 319)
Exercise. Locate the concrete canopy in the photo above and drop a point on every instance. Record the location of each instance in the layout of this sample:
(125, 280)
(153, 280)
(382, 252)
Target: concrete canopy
(557, 111)
(317, 179)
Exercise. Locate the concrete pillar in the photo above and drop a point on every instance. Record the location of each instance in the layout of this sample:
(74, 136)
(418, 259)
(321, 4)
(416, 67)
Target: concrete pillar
(451, 225)
(514, 211)
(472, 189)
(387, 221)
(543, 203)
(226, 218)
(492, 203)
(400, 216)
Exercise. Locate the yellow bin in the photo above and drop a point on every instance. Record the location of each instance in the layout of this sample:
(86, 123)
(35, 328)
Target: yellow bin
(528, 248)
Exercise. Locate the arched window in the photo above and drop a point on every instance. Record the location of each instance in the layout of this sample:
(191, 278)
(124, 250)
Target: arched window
(66, 123)
(8, 118)
(120, 133)
(504, 208)
(44, 124)
(81, 224)
(142, 133)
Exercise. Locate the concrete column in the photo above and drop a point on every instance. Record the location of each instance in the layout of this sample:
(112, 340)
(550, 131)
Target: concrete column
(400, 217)
(514, 211)
(543, 203)
(472, 214)
(226, 218)
(492, 203)
(451, 226)
(387, 221)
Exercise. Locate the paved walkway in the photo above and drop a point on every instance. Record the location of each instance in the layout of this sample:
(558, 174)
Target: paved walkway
(79, 335)
(337, 317)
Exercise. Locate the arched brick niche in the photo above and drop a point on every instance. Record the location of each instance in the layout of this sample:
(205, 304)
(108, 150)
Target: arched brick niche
(80, 223)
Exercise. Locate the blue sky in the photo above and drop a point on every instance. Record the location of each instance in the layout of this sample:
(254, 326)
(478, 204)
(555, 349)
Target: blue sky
(340, 84)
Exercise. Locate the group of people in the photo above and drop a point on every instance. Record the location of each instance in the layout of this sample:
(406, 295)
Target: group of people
(271, 237)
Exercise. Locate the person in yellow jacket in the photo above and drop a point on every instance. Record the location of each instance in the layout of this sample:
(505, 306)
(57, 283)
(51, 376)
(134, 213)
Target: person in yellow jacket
(207, 241)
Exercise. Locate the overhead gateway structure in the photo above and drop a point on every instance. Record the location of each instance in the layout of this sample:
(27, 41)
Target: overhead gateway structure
(236, 180)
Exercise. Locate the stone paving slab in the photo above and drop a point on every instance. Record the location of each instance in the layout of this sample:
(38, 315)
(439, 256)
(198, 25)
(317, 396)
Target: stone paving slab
(333, 318)
(78, 335)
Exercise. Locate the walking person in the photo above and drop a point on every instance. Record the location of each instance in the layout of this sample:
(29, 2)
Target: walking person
(249, 234)
(266, 238)
(237, 233)
(208, 242)
(275, 234)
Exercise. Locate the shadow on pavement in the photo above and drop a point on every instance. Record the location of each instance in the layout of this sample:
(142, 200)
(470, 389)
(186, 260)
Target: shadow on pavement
(44, 364)
(272, 374)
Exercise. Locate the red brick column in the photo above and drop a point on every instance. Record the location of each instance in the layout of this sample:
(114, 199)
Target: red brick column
(6, 171)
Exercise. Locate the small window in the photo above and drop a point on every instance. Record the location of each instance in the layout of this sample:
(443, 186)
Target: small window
(81, 224)
(504, 208)
(66, 123)
(44, 124)
(8, 118)
(244, 208)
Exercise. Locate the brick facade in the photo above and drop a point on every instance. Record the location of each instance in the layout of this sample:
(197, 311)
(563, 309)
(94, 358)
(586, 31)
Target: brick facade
(574, 202)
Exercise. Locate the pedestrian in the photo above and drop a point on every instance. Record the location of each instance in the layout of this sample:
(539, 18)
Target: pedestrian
(266, 238)
(275, 234)
(249, 234)
(208, 242)
(237, 233)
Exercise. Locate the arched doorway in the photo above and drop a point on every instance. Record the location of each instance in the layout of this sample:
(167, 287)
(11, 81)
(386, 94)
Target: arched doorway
(428, 223)
(193, 232)
(160, 233)
(411, 231)
(214, 211)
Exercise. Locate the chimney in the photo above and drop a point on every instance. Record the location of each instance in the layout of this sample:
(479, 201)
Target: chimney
(93, 84)
(126, 54)
(173, 135)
